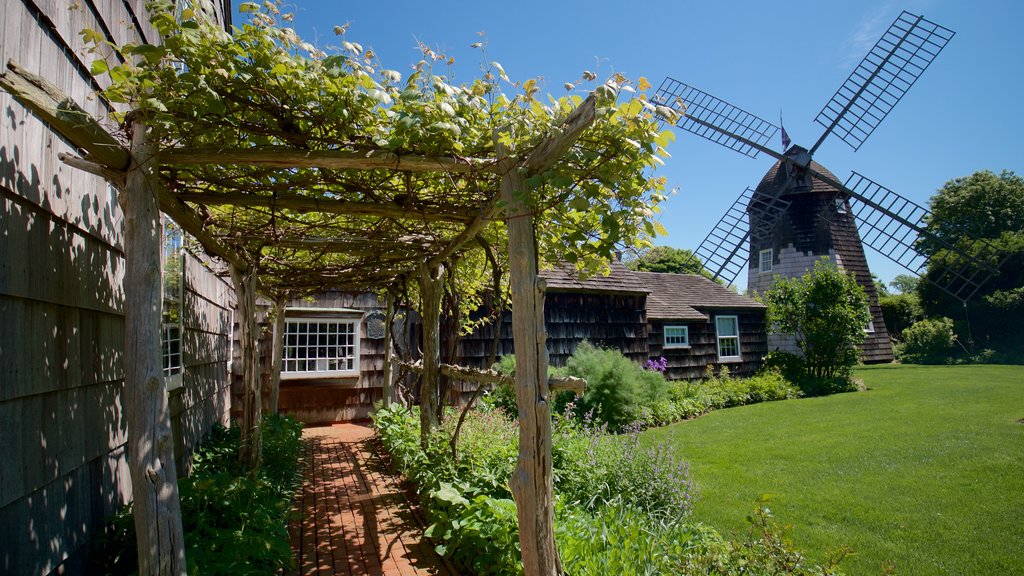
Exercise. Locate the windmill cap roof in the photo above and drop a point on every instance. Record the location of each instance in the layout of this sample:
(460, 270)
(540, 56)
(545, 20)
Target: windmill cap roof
(775, 176)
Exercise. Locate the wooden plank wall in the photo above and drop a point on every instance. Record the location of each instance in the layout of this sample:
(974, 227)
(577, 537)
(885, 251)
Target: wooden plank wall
(204, 398)
(617, 321)
(691, 363)
(61, 301)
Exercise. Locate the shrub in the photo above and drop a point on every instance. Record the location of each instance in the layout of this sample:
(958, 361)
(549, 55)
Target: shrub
(617, 388)
(927, 342)
(826, 311)
(900, 311)
(235, 521)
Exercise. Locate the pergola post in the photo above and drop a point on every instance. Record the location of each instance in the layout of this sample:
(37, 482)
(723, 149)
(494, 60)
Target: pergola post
(150, 450)
(389, 361)
(532, 480)
(250, 452)
(431, 281)
(278, 352)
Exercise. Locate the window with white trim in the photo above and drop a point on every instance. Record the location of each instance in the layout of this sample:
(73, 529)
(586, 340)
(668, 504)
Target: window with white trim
(677, 336)
(320, 347)
(727, 329)
(764, 262)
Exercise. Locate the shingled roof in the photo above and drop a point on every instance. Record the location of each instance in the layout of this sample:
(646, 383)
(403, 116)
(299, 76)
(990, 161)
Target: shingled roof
(621, 280)
(678, 296)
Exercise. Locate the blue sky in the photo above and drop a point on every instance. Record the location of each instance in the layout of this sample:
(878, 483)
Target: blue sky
(962, 115)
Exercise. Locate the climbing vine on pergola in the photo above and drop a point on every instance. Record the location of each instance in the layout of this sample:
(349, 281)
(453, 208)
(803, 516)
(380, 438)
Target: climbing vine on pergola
(306, 171)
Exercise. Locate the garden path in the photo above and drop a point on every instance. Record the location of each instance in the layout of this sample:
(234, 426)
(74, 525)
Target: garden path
(354, 516)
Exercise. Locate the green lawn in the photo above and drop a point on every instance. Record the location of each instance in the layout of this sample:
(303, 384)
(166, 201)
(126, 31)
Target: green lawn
(925, 470)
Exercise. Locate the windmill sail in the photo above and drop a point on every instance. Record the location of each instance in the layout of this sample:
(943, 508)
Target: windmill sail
(881, 79)
(715, 119)
(893, 226)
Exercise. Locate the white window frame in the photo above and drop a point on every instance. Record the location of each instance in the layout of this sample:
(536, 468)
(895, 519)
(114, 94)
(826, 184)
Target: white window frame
(685, 334)
(841, 206)
(870, 327)
(764, 260)
(719, 337)
(288, 369)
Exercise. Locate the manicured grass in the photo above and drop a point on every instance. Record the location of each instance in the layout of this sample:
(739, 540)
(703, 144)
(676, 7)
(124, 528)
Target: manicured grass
(924, 471)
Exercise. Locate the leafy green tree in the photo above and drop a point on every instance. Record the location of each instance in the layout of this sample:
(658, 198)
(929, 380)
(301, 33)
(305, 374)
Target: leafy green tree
(988, 207)
(904, 283)
(826, 311)
(667, 259)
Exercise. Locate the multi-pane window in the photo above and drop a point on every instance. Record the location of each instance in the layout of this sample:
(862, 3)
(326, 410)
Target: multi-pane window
(677, 337)
(170, 333)
(170, 344)
(765, 260)
(320, 347)
(728, 331)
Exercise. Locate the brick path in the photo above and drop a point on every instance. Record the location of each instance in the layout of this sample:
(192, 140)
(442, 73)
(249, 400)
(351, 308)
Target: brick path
(354, 516)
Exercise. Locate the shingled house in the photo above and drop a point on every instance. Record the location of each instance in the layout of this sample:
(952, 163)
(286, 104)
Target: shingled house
(689, 320)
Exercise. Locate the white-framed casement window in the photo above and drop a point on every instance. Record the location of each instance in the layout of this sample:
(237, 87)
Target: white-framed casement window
(677, 336)
(170, 325)
(320, 347)
(764, 261)
(727, 329)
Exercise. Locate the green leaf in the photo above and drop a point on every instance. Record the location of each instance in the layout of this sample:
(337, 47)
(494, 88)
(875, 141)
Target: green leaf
(98, 67)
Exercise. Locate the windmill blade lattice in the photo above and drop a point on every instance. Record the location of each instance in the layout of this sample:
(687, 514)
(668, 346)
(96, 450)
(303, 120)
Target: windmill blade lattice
(715, 119)
(878, 83)
(723, 250)
(893, 226)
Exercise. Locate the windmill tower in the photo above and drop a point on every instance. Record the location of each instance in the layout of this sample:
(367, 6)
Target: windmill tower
(800, 211)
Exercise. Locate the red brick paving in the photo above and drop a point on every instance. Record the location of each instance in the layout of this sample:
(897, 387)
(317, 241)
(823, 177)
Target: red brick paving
(352, 515)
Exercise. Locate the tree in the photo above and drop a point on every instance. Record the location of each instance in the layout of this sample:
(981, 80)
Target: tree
(667, 259)
(904, 284)
(988, 207)
(826, 311)
(900, 311)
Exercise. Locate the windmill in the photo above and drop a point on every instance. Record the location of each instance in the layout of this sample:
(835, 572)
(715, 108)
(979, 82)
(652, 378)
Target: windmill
(800, 211)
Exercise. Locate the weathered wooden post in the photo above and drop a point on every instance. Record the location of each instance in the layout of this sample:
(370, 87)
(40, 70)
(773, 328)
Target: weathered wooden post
(278, 352)
(389, 361)
(250, 452)
(150, 450)
(532, 480)
(431, 281)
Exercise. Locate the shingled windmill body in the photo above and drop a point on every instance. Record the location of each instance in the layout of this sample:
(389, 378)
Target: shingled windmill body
(817, 222)
(800, 211)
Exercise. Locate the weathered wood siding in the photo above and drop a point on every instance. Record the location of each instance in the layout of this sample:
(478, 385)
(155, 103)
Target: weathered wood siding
(691, 363)
(61, 302)
(616, 321)
(321, 400)
(204, 398)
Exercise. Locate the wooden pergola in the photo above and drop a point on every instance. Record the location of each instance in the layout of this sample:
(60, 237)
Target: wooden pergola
(255, 210)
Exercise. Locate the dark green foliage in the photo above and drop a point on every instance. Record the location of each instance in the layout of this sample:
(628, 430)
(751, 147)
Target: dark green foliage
(621, 508)
(826, 310)
(900, 311)
(989, 207)
(617, 388)
(236, 522)
(793, 369)
(927, 342)
(667, 259)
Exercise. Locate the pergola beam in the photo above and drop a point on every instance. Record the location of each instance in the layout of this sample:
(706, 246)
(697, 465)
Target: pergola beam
(330, 206)
(282, 157)
(65, 116)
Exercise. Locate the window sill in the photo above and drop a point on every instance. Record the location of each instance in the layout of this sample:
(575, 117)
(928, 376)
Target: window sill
(730, 360)
(319, 375)
(676, 347)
